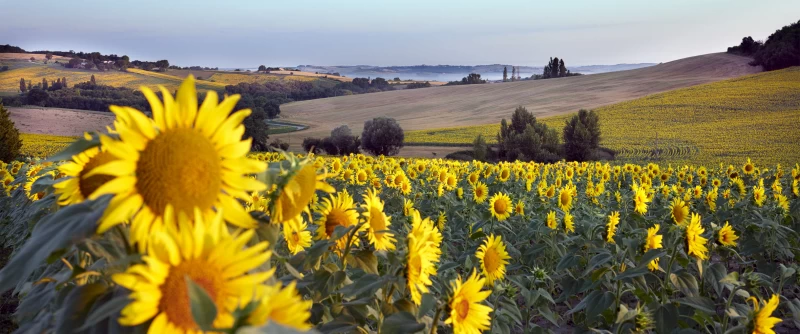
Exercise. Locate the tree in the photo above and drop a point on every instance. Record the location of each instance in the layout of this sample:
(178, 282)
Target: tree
(48, 56)
(74, 62)
(562, 69)
(93, 81)
(279, 144)
(162, 65)
(781, 50)
(256, 127)
(33, 58)
(44, 83)
(527, 139)
(479, 148)
(64, 82)
(513, 73)
(10, 143)
(505, 73)
(554, 68)
(262, 68)
(37, 97)
(382, 136)
(22, 87)
(312, 145)
(89, 65)
(581, 135)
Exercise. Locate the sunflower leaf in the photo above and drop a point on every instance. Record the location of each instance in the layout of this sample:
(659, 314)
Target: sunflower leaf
(203, 309)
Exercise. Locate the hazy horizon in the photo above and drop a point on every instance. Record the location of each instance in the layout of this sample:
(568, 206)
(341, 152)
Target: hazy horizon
(251, 33)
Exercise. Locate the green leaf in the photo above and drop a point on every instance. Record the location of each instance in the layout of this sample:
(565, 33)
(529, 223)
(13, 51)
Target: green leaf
(569, 260)
(428, 301)
(76, 306)
(700, 303)
(446, 266)
(632, 273)
(596, 261)
(714, 274)
(666, 317)
(203, 309)
(272, 328)
(650, 256)
(511, 310)
(401, 322)
(109, 309)
(367, 261)
(686, 283)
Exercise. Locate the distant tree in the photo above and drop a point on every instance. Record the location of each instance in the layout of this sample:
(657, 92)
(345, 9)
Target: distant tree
(513, 73)
(22, 87)
(581, 135)
(272, 108)
(312, 145)
(44, 83)
(48, 56)
(554, 68)
(92, 80)
(162, 65)
(10, 143)
(89, 65)
(279, 144)
(479, 148)
(526, 139)
(415, 85)
(379, 83)
(74, 62)
(562, 69)
(781, 50)
(262, 68)
(64, 82)
(256, 127)
(382, 136)
(361, 82)
(396, 78)
(341, 142)
(30, 86)
(4, 68)
(505, 73)
(37, 97)
(33, 58)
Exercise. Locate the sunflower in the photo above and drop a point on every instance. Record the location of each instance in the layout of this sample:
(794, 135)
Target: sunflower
(378, 223)
(184, 158)
(519, 208)
(282, 305)
(748, 167)
(504, 174)
(695, 243)
(423, 254)
(640, 199)
(336, 210)
(653, 241)
(679, 211)
(569, 223)
(551, 191)
(500, 206)
(551, 221)
(611, 228)
(297, 235)
(727, 236)
(77, 187)
(450, 181)
(473, 177)
(205, 253)
(479, 192)
(28, 187)
(494, 258)
(467, 314)
(408, 207)
(565, 198)
(758, 195)
(441, 221)
(763, 321)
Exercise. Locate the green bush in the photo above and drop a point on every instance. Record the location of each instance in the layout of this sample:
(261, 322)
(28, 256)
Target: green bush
(10, 143)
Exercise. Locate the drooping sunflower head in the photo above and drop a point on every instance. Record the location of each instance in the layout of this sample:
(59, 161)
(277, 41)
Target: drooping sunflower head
(727, 236)
(378, 223)
(500, 206)
(78, 185)
(467, 313)
(494, 258)
(653, 240)
(695, 243)
(611, 227)
(203, 252)
(423, 254)
(763, 322)
(185, 157)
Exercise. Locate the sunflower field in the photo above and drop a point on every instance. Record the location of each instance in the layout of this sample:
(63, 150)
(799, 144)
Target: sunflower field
(169, 225)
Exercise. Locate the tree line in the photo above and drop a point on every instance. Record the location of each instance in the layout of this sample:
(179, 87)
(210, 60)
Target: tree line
(555, 68)
(471, 79)
(380, 136)
(781, 50)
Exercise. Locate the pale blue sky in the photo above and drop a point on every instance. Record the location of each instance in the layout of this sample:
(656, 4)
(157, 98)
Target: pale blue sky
(407, 32)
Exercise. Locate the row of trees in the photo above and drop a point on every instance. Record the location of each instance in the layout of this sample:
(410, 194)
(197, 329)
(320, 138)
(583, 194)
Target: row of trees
(555, 68)
(57, 84)
(526, 139)
(781, 50)
(515, 74)
(381, 136)
(471, 79)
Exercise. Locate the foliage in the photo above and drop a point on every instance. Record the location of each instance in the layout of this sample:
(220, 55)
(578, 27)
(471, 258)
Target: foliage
(341, 142)
(725, 121)
(747, 47)
(781, 50)
(312, 145)
(471, 79)
(479, 148)
(581, 136)
(526, 139)
(382, 136)
(555, 68)
(10, 142)
(279, 144)
(415, 85)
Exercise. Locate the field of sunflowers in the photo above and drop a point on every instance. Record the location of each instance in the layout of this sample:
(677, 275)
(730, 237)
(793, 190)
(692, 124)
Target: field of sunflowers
(169, 225)
(726, 121)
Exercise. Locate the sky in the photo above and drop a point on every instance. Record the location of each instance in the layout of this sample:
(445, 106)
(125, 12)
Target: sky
(249, 33)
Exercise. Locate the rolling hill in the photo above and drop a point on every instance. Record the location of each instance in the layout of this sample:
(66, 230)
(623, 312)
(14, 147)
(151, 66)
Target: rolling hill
(451, 106)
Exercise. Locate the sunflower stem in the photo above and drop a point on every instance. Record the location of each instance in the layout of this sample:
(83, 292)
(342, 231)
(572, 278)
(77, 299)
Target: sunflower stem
(435, 324)
(669, 269)
(726, 318)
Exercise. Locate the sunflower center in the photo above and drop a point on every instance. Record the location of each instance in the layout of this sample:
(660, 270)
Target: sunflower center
(87, 185)
(565, 198)
(491, 260)
(180, 167)
(500, 206)
(463, 309)
(337, 217)
(175, 294)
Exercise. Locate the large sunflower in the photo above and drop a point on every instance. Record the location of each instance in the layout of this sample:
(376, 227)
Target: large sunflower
(500, 206)
(467, 314)
(479, 192)
(494, 258)
(283, 306)
(338, 210)
(296, 194)
(695, 243)
(378, 223)
(76, 187)
(727, 236)
(183, 158)
(203, 252)
(763, 321)
(423, 254)
(679, 211)
(565, 198)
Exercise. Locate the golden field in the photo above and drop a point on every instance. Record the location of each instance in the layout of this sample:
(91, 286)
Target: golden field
(753, 116)
(42, 146)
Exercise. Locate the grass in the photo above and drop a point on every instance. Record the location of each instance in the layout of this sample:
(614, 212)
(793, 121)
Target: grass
(753, 116)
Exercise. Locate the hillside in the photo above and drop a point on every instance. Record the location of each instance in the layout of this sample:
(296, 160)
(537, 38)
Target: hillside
(728, 121)
(450, 106)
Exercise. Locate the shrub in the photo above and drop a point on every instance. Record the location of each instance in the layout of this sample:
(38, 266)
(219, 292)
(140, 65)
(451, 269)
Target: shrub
(37, 97)
(382, 136)
(479, 148)
(256, 127)
(313, 145)
(10, 143)
(279, 144)
(526, 139)
(581, 135)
